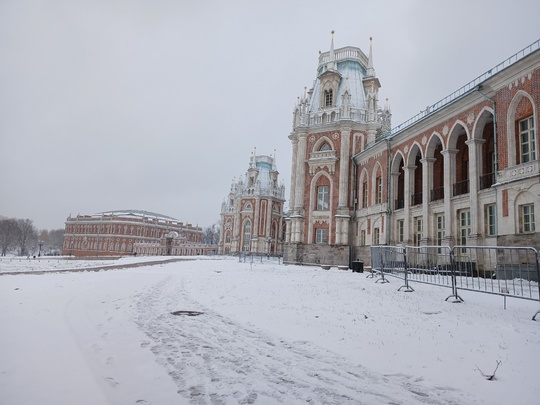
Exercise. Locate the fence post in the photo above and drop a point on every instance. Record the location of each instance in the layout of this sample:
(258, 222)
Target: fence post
(407, 287)
(382, 279)
(457, 298)
(537, 275)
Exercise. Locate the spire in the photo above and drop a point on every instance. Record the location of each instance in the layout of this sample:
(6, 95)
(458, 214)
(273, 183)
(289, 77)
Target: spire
(370, 70)
(332, 58)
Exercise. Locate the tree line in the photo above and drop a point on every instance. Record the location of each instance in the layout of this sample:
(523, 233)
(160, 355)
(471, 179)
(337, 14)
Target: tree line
(21, 237)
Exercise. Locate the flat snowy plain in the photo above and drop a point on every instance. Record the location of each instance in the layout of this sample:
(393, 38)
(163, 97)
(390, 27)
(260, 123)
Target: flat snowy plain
(267, 334)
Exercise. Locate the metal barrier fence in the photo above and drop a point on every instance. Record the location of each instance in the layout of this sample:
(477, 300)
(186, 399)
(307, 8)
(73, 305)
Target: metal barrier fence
(506, 271)
(252, 257)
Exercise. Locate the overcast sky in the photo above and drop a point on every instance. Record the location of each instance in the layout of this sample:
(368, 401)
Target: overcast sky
(157, 105)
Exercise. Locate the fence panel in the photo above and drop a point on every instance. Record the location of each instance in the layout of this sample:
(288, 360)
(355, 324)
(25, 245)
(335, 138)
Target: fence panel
(508, 271)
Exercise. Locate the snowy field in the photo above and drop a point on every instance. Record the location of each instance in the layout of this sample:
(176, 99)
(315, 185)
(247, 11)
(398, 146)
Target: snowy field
(264, 334)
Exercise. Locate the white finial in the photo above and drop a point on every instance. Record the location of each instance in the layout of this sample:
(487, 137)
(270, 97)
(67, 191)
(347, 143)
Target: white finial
(370, 70)
(332, 57)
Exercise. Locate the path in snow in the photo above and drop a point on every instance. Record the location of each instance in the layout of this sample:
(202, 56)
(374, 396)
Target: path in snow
(216, 361)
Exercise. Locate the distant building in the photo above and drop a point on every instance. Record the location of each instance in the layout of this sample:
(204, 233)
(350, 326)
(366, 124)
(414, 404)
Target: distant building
(252, 215)
(465, 171)
(125, 232)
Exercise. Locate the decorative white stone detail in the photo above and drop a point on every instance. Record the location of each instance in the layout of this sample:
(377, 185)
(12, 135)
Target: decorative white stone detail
(516, 82)
(406, 150)
(445, 130)
(523, 80)
(336, 135)
(424, 140)
(529, 76)
(312, 138)
(470, 118)
(510, 86)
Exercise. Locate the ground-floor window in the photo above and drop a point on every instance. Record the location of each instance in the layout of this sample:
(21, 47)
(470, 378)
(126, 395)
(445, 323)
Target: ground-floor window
(321, 236)
(418, 230)
(376, 236)
(439, 222)
(490, 218)
(464, 226)
(526, 218)
(400, 230)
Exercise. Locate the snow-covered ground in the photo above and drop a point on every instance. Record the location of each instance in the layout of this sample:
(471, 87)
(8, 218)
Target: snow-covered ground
(16, 264)
(267, 334)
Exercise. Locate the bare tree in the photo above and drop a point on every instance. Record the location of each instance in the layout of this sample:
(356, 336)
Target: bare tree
(8, 235)
(211, 234)
(27, 235)
(56, 240)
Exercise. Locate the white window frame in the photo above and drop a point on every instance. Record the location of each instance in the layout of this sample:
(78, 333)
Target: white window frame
(418, 230)
(321, 236)
(526, 218)
(527, 140)
(491, 219)
(323, 198)
(400, 230)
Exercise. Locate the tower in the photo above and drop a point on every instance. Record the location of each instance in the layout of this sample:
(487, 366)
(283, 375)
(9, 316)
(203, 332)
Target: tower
(252, 214)
(333, 121)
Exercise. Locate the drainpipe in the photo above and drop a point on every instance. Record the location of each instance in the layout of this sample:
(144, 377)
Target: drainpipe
(353, 216)
(496, 154)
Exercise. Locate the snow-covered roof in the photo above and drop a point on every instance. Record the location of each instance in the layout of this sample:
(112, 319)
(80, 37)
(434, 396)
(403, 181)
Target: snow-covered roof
(351, 64)
(137, 213)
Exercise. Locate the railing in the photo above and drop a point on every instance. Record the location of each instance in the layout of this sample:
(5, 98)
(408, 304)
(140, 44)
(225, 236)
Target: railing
(416, 199)
(486, 181)
(468, 87)
(437, 194)
(251, 257)
(461, 187)
(399, 203)
(505, 271)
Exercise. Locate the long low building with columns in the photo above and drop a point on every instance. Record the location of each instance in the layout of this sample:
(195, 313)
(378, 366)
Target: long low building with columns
(126, 232)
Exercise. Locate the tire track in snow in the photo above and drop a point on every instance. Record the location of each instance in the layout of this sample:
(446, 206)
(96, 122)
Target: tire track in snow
(213, 360)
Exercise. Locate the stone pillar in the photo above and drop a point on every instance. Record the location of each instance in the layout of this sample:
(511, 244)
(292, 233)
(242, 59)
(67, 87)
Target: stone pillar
(294, 142)
(409, 177)
(449, 156)
(344, 158)
(475, 148)
(427, 185)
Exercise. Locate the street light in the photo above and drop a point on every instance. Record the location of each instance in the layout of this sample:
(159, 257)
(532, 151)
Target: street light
(40, 243)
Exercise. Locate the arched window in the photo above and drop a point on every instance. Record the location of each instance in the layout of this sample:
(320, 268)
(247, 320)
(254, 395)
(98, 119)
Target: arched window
(322, 198)
(247, 235)
(324, 147)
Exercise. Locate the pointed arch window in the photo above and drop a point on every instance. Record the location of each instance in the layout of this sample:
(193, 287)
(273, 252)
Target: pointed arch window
(324, 147)
(322, 198)
(247, 235)
(527, 140)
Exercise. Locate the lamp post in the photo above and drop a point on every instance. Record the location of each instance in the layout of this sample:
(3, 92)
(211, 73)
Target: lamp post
(40, 243)
(268, 240)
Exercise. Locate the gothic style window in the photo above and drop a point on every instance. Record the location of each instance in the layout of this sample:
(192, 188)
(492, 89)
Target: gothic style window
(324, 147)
(376, 236)
(526, 218)
(378, 190)
(247, 235)
(328, 98)
(322, 198)
(365, 194)
(321, 236)
(527, 140)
